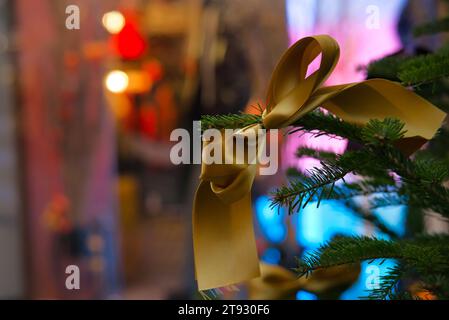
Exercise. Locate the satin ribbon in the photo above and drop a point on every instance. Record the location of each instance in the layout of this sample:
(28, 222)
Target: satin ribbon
(223, 237)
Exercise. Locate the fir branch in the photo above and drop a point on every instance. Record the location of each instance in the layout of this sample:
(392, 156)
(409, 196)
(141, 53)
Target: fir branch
(422, 179)
(299, 193)
(423, 258)
(319, 183)
(436, 92)
(436, 284)
(438, 146)
(386, 68)
(415, 71)
(433, 27)
(346, 250)
(424, 69)
(379, 132)
(318, 154)
(295, 173)
(229, 121)
(386, 200)
(362, 188)
(320, 123)
(432, 239)
(430, 170)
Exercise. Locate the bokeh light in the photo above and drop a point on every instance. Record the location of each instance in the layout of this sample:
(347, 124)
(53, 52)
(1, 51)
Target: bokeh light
(113, 21)
(117, 81)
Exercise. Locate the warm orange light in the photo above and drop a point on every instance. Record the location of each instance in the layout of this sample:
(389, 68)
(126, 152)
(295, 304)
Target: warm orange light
(139, 81)
(117, 81)
(113, 21)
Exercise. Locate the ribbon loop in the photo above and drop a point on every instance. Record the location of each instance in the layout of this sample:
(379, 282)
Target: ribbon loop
(290, 89)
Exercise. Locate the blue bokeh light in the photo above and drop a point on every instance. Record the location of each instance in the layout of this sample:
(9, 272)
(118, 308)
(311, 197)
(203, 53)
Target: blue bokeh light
(365, 282)
(394, 217)
(304, 295)
(271, 221)
(316, 225)
(271, 256)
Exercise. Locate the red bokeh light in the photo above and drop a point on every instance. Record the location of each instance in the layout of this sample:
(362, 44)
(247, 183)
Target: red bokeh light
(129, 43)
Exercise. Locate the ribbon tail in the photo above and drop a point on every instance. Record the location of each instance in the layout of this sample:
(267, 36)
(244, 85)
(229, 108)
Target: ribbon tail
(223, 240)
(275, 283)
(378, 99)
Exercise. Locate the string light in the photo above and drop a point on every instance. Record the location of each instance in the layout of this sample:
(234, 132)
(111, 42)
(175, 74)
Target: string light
(117, 81)
(113, 21)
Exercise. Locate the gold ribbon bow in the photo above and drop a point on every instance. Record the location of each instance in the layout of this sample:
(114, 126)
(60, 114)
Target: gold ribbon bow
(223, 237)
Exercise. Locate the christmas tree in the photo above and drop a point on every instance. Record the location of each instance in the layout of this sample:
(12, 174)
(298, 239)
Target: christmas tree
(386, 176)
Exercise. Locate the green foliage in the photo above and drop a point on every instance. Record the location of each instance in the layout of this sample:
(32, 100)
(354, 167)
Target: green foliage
(346, 251)
(424, 256)
(322, 155)
(412, 70)
(317, 122)
(377, 159)
(423, 69)
(437, 284)
(320, 123)
(229, 121)
(386, 68)
(438, 146)
(381, 131)
(318, 181)
(432, 27)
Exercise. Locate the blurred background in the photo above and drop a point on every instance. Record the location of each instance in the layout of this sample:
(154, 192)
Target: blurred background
(86, 113)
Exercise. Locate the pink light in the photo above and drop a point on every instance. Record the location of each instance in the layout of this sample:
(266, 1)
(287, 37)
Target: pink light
(346, 22)
(313, 66)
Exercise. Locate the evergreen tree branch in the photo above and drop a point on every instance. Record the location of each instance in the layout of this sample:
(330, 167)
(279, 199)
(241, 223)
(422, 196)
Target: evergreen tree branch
(424, 69)
(320, 181)
(422, 179)
(437, 284)
(386, 68)
(320, 123)
(433, 27)
(229, 121)
(346, 250)
(317, 154)
(414, 71)
(300, 192)
(422, 257)
(317, 122)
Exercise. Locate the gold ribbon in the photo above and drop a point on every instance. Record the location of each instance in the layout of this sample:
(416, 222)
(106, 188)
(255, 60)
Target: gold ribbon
(223, 237)
(278, 283)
